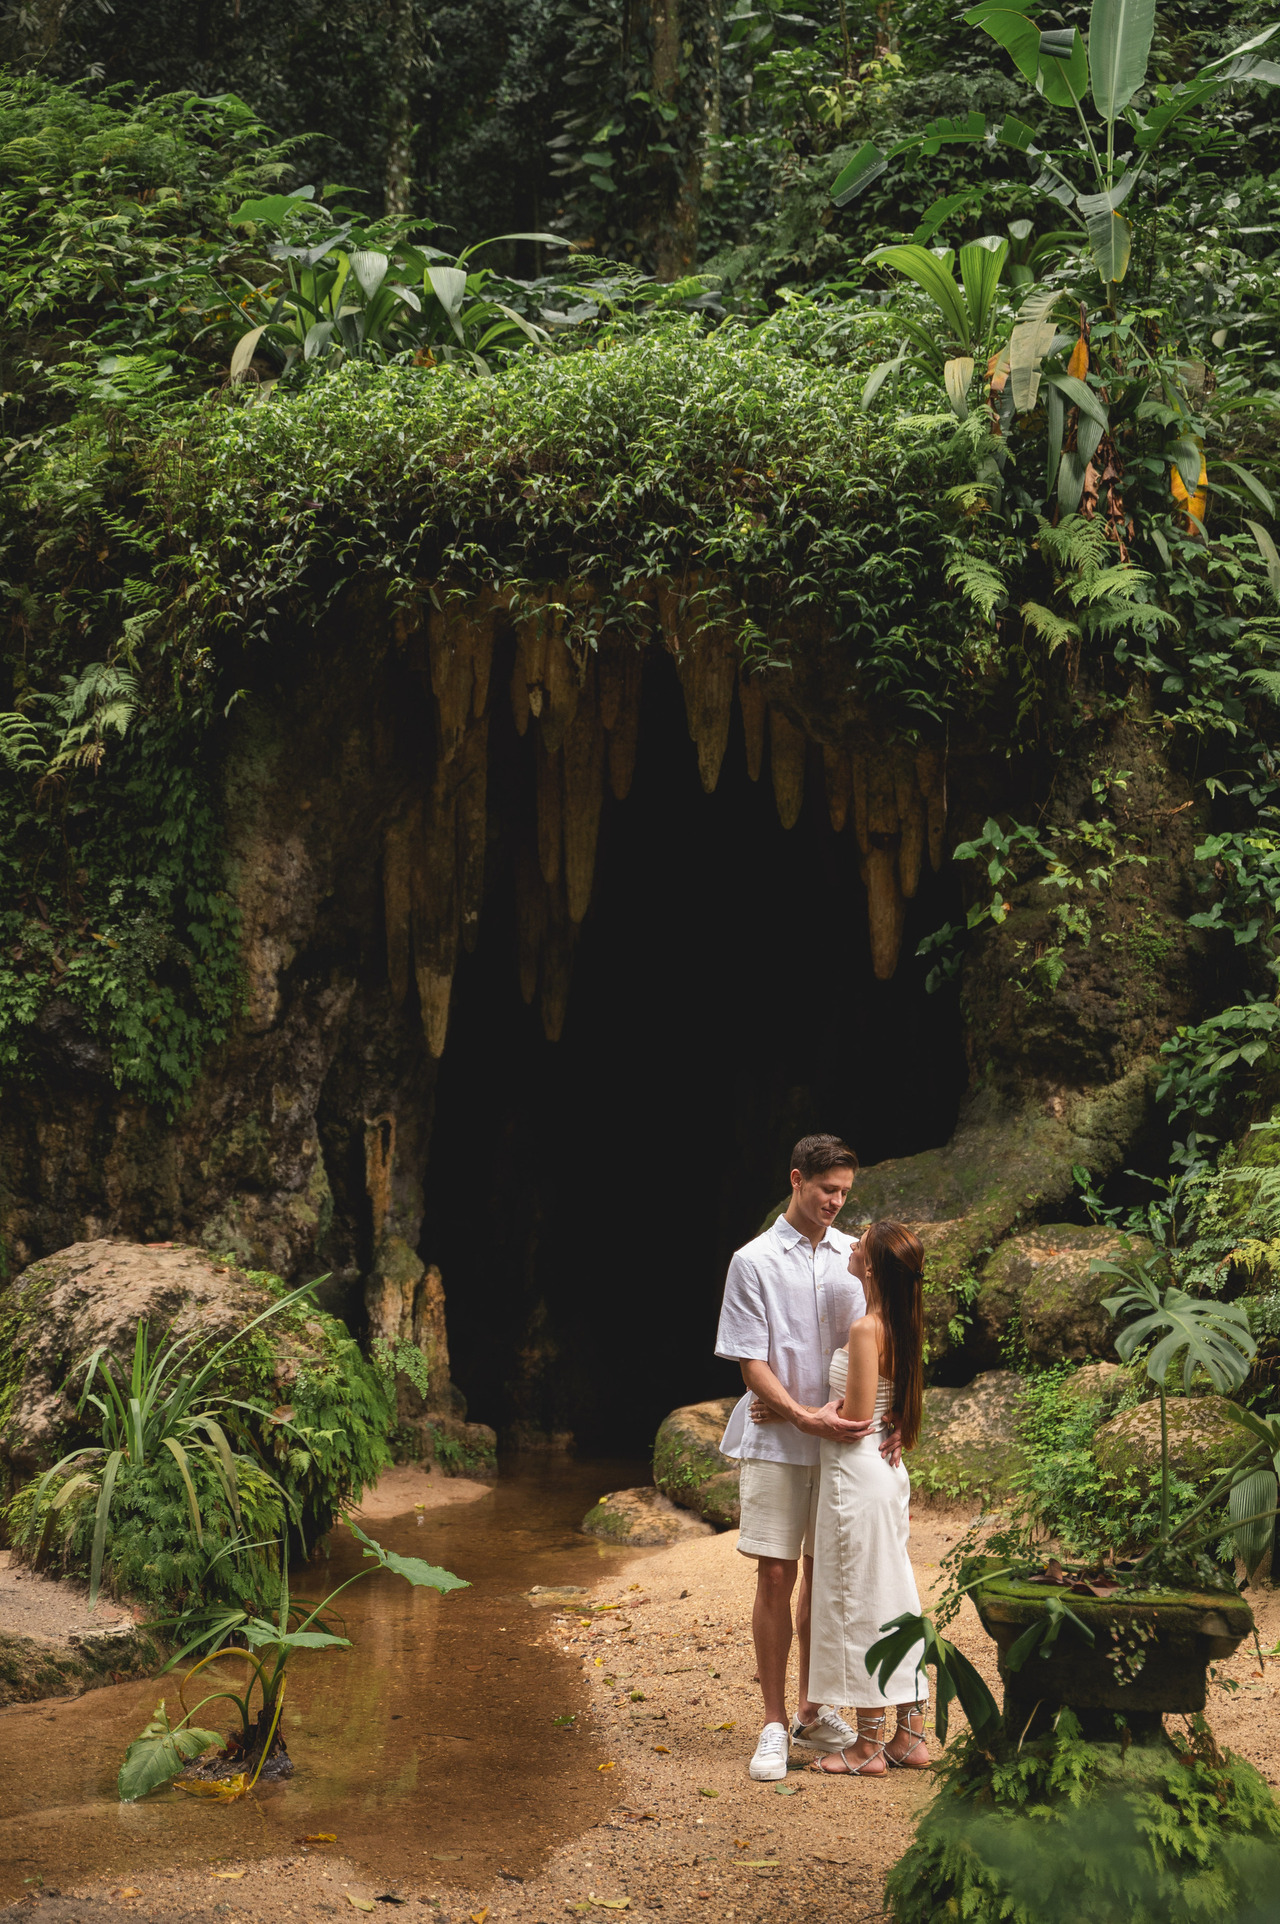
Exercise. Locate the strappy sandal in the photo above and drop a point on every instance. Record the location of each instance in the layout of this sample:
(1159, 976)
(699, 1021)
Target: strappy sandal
(870, 1724)
(904, 1723)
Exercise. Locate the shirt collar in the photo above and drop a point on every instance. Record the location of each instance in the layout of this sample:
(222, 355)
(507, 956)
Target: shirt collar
(789, 1235)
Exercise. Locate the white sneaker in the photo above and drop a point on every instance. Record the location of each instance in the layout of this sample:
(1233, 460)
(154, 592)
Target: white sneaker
(769, 1765)
(828, 1732)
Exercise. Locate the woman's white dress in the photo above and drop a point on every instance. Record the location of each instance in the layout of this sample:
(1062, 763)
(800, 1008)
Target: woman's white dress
(861, 1569)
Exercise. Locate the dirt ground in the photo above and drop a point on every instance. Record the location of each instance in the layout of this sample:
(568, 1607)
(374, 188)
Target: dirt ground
(673, 1717)
(35, 1606)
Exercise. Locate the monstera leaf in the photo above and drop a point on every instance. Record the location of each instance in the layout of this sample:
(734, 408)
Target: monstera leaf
(159, 1755)
(1201, 1334)
(955, 1677)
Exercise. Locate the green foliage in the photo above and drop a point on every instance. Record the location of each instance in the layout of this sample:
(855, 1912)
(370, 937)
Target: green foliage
(1054, 1829)
(401, 1359)
(159, 1754)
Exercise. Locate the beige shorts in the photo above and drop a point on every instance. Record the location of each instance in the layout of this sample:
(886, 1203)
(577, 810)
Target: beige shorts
(779, 1508)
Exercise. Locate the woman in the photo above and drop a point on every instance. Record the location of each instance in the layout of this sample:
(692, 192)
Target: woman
(861, 1570)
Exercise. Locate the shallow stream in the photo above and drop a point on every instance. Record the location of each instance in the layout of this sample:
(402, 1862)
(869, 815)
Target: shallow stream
(430, 1748)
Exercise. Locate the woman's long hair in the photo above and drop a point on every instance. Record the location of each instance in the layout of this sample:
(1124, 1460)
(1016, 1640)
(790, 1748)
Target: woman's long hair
(896, 1261)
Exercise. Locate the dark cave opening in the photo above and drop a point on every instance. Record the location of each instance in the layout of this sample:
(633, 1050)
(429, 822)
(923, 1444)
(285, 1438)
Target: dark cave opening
(583, 1197)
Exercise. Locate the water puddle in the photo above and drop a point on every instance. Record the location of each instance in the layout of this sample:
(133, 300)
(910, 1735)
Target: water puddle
(430, 1748)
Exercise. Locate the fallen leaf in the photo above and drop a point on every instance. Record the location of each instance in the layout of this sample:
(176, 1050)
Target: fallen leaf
(759, 1864)
(478, 1917)
(320, 1837)
(609, 1766)
(446, 1857)
(740, 1843)
(284, 1414)
(361, 1903)
(707, 1793)
(233, 1875)
(787, 1790)
(722, 1726)
(663, 1750)
(128, 1891)
(223, 1790)
(612, 1903)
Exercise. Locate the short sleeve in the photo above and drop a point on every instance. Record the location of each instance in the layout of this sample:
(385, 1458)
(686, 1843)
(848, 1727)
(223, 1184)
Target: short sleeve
(743, 1335)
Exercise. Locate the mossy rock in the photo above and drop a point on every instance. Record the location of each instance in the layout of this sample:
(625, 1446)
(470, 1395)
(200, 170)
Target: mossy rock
(1101, 1384)
(968, 1440)
(1203, 1441)
(644, 1518)
(31, 1670)
(1044, 1280)
(688, 1465)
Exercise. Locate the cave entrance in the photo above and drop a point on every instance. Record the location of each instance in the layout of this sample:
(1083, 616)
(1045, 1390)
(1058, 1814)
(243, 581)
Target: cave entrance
(583, 1195)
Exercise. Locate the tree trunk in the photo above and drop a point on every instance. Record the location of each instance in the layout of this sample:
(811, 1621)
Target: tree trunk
(686, 42)
(402, 58)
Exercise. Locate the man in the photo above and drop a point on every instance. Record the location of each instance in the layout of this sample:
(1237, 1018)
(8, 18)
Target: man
(788, 1302)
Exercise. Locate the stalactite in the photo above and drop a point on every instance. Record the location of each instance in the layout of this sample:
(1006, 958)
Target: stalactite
(379, 1161)
(886, 910)
(528, 675)
(452, 675)
(885, 906)
(562, 684)
(751, 700)
(860, 802)
(912, 819)
(397, 863)
(531, 917)
(624, 735)
(707, 671)
(931, 773)
(837, 765)
(583, 755)
(488, 611)
(550, 799)
(429, 1327)
(611, 674)
(788, 746)
(472, 793)
(557, 963)
(434, 893)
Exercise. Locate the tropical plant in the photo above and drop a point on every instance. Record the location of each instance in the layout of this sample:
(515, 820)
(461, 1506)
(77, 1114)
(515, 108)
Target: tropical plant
(1112, 70)
(161, 1406)
(1209, 1339)
(966, 309)
(159, 1755)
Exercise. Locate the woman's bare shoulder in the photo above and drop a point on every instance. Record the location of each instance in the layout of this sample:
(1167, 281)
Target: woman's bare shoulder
(865, 1333)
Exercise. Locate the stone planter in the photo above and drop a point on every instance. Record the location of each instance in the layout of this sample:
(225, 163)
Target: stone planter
(1149, 1656)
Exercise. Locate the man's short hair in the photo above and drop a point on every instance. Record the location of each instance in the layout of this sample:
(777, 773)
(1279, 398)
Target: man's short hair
(815, 1155)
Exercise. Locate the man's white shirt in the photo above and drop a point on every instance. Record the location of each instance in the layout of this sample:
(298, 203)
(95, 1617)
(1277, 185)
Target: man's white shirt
(789, 1305)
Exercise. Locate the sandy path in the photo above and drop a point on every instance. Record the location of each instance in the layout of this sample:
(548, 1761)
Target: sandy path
(673, 1718)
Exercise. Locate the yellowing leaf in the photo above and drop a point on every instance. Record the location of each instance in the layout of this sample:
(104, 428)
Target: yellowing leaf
(360, 1903)
(722, 1726)
(609, 1766)
(662, 1750)
(478, 1917)
(1078, 365)
(612, 1903)
(229, 1874)
(223, 1790)
(707, 1793)
(320, 1837)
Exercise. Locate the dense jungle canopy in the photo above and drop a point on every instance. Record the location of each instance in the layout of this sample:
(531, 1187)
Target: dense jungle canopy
(931, 353)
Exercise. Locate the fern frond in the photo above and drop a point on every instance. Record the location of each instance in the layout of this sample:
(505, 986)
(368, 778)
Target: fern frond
(978, 581)
(1267, 681)
(20, 745)
(1054, 630)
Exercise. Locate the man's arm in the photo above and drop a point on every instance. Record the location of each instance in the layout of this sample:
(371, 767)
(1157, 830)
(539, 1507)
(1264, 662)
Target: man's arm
(827, 1421)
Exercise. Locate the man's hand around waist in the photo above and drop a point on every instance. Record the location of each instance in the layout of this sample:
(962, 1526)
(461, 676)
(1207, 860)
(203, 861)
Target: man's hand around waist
(824, 1422)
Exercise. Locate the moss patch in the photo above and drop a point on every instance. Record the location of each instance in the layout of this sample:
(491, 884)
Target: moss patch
(688, 1466)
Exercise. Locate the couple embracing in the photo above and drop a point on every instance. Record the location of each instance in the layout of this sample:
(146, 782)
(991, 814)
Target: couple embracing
(828, 1333)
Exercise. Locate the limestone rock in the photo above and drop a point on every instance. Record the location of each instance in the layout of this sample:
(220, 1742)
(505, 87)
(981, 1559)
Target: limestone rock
(1203, 1441)
(688, 1466)
(58, 1311)
(1100, 1383)
(1062, 1315)
(1043, 1278)
(968, 1440)
(643, 1517)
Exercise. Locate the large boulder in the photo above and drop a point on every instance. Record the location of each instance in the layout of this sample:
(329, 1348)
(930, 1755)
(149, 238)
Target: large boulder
(301, 1365)
(969, 1439)
(688, 1466)
(1203, 1441)
(644, 1518)
(1044, 1281)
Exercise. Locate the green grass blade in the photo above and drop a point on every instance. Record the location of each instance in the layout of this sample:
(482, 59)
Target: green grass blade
(105, 1495)
(179, 1456)
(223, 1460)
